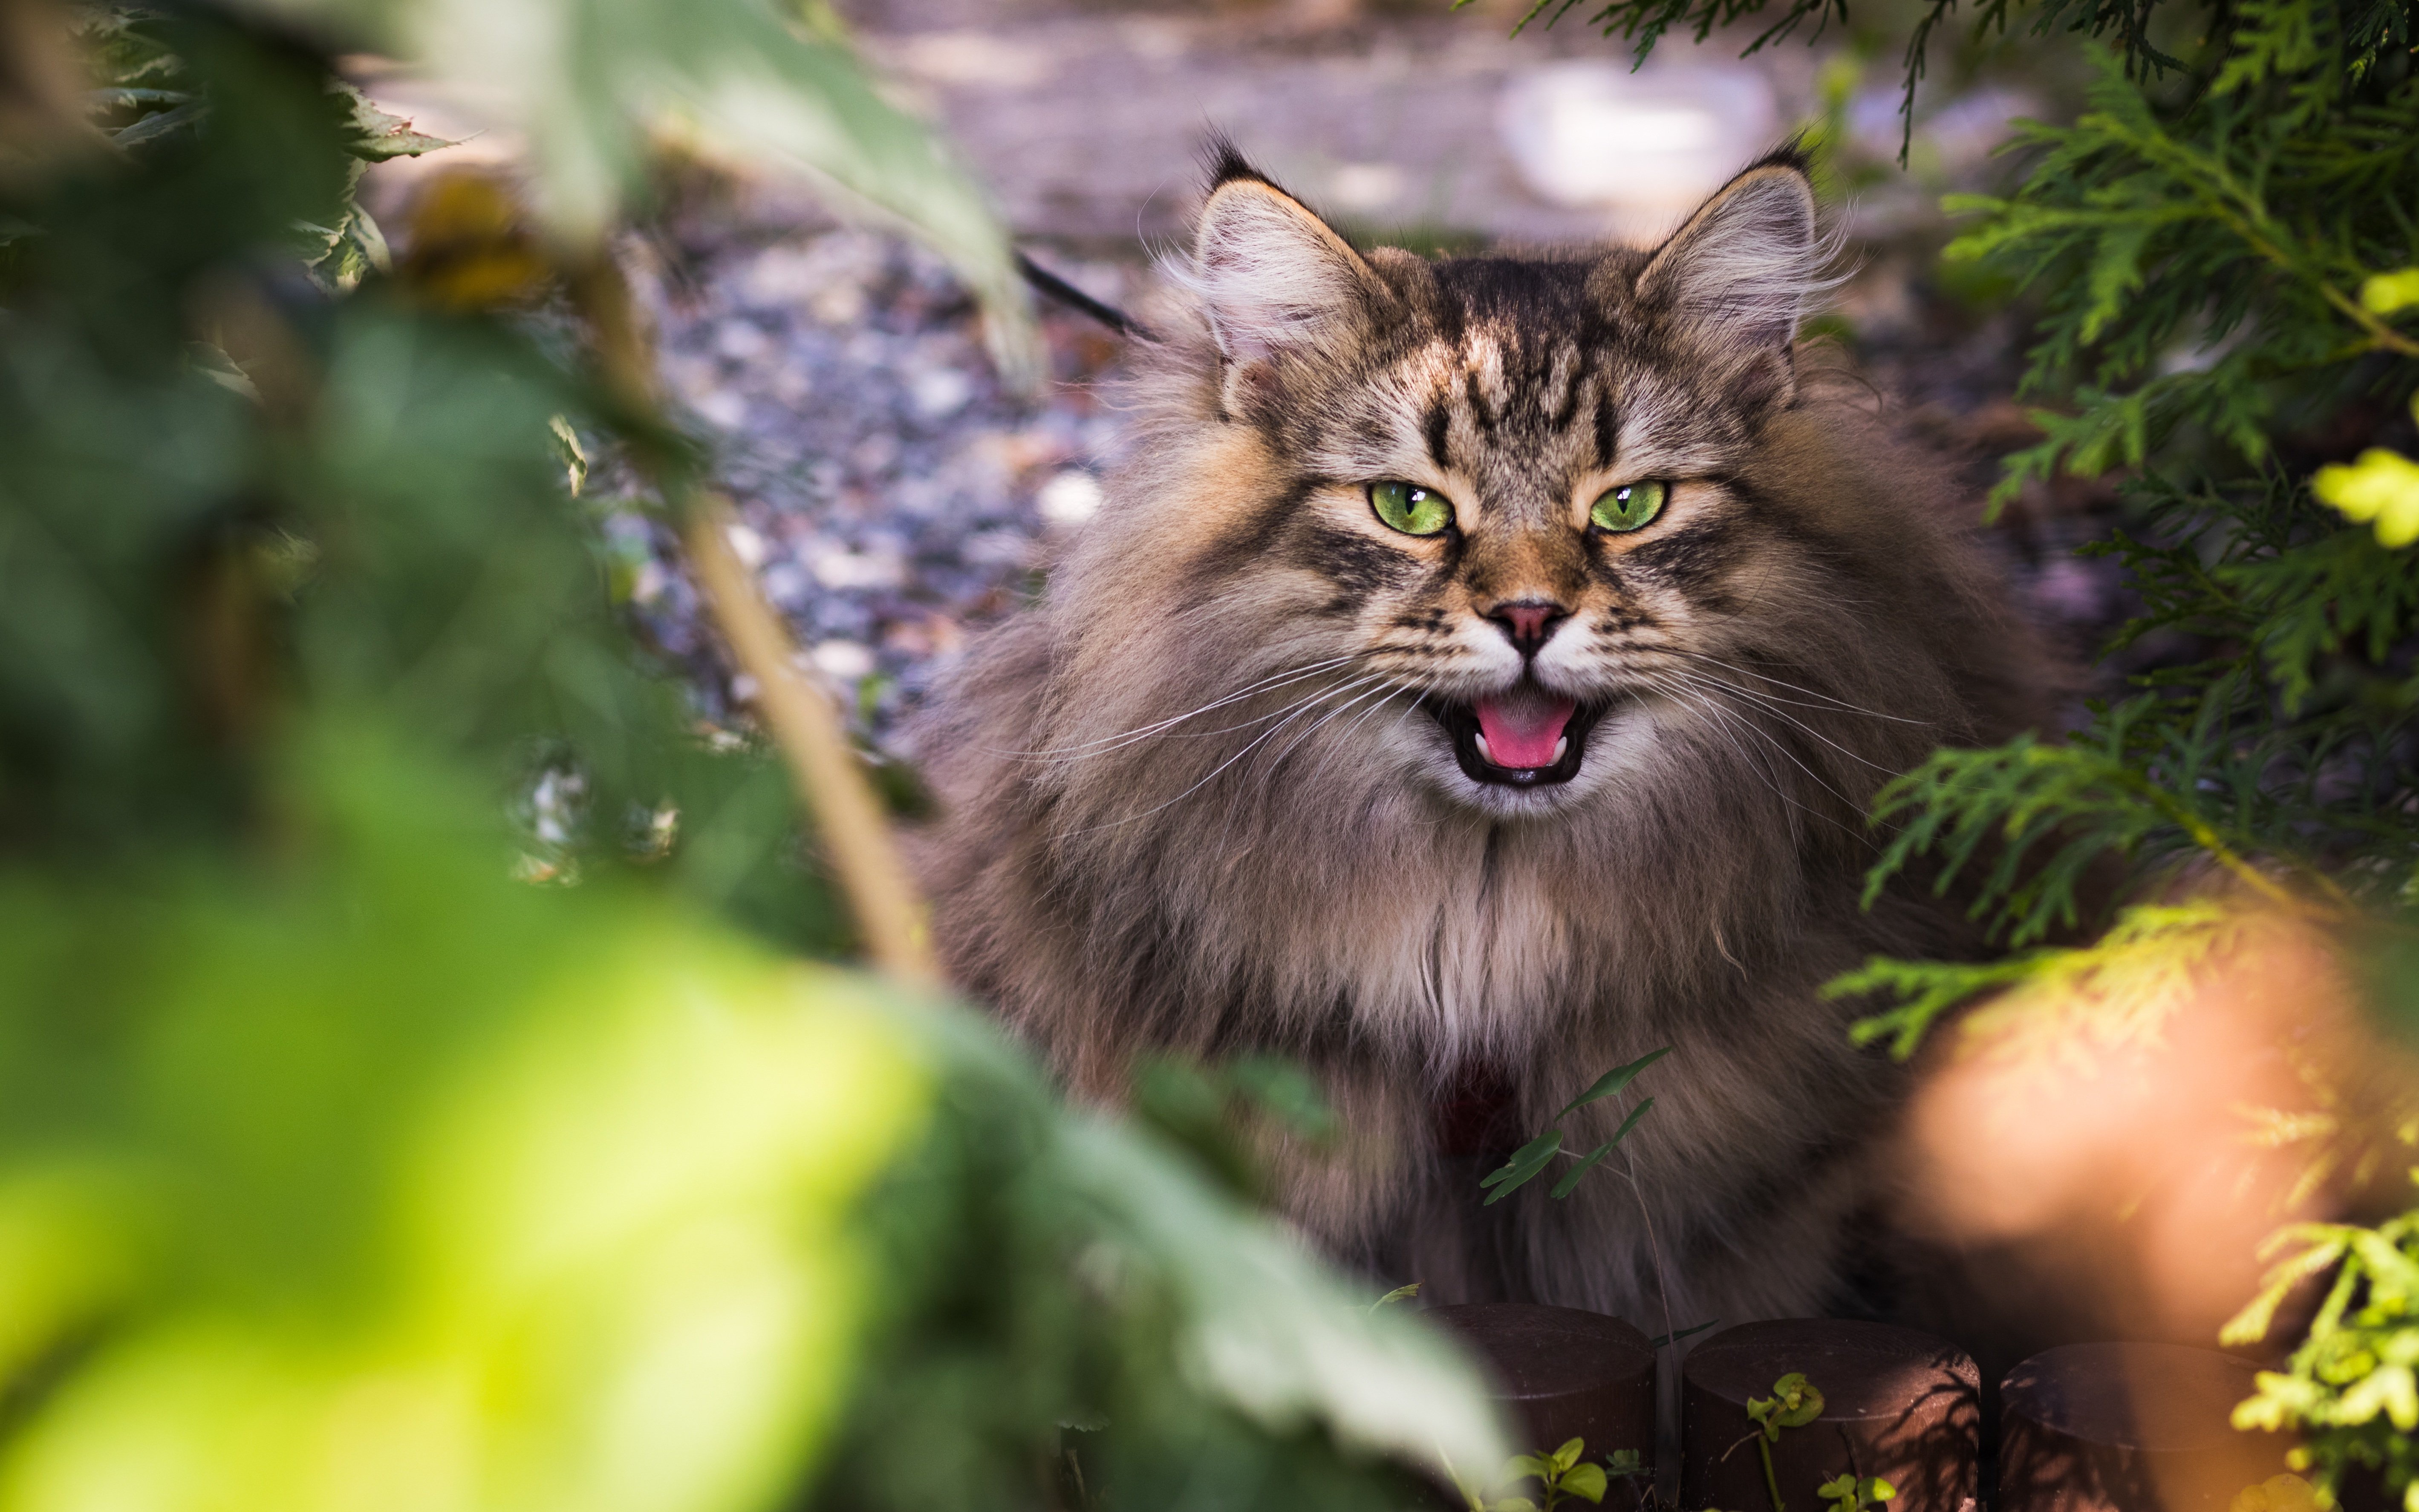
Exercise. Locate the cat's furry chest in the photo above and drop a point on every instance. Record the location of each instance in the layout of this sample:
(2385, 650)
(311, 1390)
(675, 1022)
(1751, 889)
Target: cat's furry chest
(1464, 948)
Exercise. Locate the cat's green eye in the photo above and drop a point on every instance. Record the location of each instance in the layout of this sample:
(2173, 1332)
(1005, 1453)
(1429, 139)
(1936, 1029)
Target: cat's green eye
(1629, 506)
(1410, 508)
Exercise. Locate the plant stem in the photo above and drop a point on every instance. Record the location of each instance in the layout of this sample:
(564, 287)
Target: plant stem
(825, 770)
(1771, 1482)
(1653, 1247)
(805, 725)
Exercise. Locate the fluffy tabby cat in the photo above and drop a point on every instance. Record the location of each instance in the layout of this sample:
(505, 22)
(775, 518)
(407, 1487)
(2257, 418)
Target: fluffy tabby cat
(1474, 680)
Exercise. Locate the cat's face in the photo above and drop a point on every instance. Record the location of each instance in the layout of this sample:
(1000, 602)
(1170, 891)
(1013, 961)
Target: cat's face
(1517, 491)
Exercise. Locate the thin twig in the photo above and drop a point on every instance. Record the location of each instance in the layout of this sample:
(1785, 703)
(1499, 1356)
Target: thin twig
(805, 725)
(824, 769)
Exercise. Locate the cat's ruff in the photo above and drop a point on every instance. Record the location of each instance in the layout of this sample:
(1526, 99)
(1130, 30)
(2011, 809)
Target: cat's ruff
(1536, 778)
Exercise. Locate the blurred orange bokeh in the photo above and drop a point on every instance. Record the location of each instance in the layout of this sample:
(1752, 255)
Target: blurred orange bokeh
(2103, 1159)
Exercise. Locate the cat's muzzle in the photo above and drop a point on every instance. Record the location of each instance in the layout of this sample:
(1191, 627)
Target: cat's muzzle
(1471, 752)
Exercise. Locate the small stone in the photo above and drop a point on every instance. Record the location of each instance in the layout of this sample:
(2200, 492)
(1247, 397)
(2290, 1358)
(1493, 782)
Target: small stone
(844, 660)
(786, 584)
(1070, 498)
(940, 391)
(742, 341)
(857, 569)
(747, 545)
(647, 583)
(723, 408)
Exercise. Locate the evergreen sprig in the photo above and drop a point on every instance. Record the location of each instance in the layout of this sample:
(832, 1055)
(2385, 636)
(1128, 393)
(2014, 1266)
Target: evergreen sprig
(2214, 265)
(2355, 1375)
(2199, 261)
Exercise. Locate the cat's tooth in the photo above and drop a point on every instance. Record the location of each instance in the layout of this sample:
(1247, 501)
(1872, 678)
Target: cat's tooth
(1559, 746)
(1483, 754)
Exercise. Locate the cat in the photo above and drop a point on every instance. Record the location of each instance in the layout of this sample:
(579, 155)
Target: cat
(1476, 678)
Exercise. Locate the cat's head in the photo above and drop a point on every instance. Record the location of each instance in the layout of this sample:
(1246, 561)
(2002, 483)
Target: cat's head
(1510, 528)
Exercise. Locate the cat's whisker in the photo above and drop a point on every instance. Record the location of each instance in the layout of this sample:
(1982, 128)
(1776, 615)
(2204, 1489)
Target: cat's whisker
(1378, 694)
(1267, 684)
(1320, 723)
(1716, 685)
(1270, 768)
(1722, 726)
(1701, 701)
(1779, 682)
(1374, 708)
(1307, 703)
(1203, 734)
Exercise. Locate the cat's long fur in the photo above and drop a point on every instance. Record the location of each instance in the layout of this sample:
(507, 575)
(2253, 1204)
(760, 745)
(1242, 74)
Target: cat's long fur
(1161, 832)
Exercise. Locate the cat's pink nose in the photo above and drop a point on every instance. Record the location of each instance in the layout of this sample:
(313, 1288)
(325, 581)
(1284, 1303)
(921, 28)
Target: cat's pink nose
(1528, 622)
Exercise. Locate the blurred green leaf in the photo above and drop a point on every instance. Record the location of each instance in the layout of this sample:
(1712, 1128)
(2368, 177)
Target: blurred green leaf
(590, 81)
(377, 136)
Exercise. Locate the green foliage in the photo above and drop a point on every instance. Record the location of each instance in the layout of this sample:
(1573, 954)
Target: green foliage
(1644, 22)
(1560, 1477)
(2355, 1375)
(590, 84)
(368, 1156)
(2196, 262)
(2216, 270)
(1795, 1402)
(2222, 241)
(364, 1159)
(1223, 1115)
(1533, 1157)
(2379, 485)
(1850, 1492)
(401, 1094)
(2128, 981)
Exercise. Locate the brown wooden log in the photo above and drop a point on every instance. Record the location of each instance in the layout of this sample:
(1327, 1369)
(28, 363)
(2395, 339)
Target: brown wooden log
(1565, 1374)
(1898, 1404)
(2129, 1427)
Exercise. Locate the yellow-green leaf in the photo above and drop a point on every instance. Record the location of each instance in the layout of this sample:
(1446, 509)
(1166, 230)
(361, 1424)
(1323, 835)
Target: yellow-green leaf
(2381, 487)
(2385, 293)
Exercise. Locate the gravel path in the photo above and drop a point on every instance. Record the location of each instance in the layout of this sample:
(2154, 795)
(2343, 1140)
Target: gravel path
(893, 495)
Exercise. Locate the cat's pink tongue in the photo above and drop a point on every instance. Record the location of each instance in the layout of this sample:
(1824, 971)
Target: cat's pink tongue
(1523, 730)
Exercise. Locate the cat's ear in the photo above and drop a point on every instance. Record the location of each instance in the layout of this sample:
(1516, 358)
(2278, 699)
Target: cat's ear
(1744, 266)
(1270, 273)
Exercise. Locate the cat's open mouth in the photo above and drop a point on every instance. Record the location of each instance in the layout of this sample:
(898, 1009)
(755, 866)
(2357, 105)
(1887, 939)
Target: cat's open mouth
(1523, 738)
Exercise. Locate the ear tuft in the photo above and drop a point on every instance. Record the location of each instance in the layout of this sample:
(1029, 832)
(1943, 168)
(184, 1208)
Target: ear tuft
(1225, 163)
(1270, 274)
(1747, 263)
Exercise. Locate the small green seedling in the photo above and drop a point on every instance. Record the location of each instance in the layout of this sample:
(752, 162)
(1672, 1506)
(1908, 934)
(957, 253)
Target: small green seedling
(1849, 1493)
(1398, 1294)
(1560, 1475)
(1793, 1403)
(1534, 1156)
